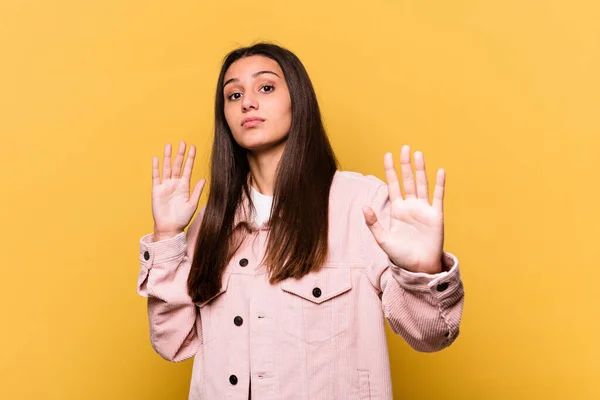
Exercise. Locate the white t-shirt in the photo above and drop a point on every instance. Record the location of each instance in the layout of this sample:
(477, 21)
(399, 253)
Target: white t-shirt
(262, 204)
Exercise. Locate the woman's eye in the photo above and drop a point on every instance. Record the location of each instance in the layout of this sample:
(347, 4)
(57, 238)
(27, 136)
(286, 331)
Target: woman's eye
(234, 96)
(268, 88)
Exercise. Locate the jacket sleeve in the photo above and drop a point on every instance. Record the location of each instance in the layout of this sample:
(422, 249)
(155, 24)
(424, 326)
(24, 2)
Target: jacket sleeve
(172, 316)
(425, 309)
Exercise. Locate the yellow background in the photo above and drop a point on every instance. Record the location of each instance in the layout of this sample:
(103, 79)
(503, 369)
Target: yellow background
(504, 94)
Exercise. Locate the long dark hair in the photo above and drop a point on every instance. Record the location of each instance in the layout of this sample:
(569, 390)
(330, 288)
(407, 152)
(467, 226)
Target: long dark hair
(298, 228)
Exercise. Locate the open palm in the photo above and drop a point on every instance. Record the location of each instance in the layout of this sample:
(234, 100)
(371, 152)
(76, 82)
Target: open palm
(172, 204)
(415, 238)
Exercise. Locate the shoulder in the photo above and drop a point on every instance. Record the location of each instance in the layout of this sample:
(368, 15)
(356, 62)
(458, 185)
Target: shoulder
(194, 227)
(350, 184)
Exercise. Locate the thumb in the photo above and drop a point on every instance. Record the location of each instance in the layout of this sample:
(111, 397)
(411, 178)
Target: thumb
(373, 224)
(195, 197)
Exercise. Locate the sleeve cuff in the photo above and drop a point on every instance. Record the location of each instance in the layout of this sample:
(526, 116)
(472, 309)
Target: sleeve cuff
(152, 253)
(440, 284)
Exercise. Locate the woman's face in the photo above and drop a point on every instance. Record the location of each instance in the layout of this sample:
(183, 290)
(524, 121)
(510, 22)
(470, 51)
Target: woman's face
(258, 108)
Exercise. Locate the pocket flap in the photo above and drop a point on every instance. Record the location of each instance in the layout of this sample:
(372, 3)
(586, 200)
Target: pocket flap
(224, 284)
(320, 286)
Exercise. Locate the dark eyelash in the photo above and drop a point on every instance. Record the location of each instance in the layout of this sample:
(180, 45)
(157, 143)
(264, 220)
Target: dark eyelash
(263, 86)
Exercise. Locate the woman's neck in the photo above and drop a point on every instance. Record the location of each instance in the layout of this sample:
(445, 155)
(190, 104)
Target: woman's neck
(263, 168)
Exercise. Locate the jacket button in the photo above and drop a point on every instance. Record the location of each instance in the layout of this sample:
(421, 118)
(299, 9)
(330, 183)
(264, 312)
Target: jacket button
(317, 292)
(233, 380)
(243, 262)
(238, 321)
(442, 286)
(146, 256)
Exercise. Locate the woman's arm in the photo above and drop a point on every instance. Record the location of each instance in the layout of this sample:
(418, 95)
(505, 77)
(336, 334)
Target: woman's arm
(172, 315)
(425, 309)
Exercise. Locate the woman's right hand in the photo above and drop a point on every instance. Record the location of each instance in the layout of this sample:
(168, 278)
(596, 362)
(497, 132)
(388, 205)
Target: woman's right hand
(172, 204)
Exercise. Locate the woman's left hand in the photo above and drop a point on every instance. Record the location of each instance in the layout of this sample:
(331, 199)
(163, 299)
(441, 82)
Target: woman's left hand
(415, 238)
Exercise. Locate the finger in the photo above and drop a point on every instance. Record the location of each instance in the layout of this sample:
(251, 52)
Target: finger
(422, 185)
(155, 173)
(178, 161)
(167, 162)
(189, 163)
(392, 177)
(438, 193)
(195, 197)
(408, 179)
(373, 224)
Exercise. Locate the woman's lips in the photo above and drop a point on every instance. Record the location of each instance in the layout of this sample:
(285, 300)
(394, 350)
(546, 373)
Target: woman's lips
(251, 122)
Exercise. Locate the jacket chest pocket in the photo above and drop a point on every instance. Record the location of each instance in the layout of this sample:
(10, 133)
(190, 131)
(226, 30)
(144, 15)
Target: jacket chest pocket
(317, 307)
(212, 313)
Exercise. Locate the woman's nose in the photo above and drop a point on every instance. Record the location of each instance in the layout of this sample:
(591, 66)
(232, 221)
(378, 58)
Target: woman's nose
(249, 102)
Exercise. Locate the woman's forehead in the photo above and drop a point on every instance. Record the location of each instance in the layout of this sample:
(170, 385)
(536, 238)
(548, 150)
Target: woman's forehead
(249, 66)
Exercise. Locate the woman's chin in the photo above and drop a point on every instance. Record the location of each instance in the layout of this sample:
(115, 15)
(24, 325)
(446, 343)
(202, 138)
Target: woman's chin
(257, 147)
(262, 146)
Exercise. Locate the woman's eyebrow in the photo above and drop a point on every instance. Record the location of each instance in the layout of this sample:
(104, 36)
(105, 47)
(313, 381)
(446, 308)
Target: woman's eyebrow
(256, 74)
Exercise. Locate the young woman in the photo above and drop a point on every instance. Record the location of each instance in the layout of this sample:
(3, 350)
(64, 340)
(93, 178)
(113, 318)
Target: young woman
(281, 285)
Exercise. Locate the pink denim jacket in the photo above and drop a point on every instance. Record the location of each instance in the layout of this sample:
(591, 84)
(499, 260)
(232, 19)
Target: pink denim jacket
(319, 337)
